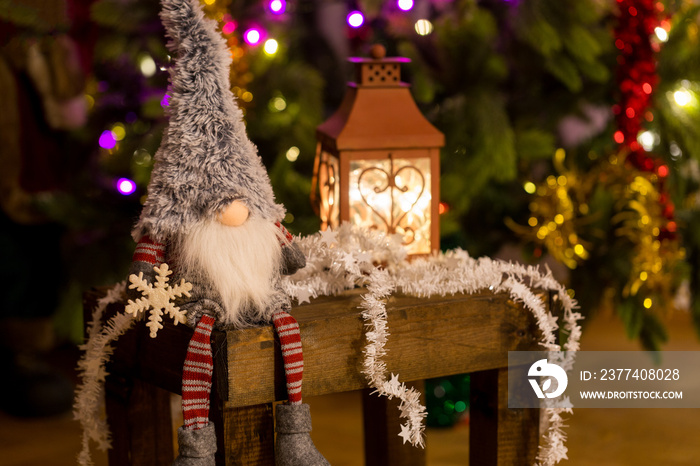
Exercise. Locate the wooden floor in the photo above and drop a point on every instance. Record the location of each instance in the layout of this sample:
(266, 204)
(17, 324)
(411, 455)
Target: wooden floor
(596, 436)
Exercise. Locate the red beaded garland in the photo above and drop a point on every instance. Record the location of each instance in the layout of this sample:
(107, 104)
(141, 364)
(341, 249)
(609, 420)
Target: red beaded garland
(636, 78)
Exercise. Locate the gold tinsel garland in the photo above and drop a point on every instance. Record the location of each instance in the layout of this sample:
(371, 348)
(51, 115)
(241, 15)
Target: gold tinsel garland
(560, 219)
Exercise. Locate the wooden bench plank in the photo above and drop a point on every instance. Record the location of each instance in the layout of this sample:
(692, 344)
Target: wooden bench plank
(429, 337)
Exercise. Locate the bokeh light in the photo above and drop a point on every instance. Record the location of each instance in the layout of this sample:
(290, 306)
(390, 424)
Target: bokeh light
(118, 131)
(252, 36)
(682, 97)
(229, 27)
(661, 34)
(292, 153)
(107, 140)
(405, 5)
(270, 46)
(619, 137)
(277, 6)
(423, 27)
(126, 186)
(355, 19)
(147, 65)
(647, 139)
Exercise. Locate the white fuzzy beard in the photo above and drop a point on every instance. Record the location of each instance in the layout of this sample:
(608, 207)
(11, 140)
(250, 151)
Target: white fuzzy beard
(242, 263)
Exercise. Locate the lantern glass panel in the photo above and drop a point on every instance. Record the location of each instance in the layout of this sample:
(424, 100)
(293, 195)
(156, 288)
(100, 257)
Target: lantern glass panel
(329, 190)
(393, 195)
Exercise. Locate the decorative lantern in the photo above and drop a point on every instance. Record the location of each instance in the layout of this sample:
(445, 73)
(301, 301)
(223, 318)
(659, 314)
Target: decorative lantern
(378, 159)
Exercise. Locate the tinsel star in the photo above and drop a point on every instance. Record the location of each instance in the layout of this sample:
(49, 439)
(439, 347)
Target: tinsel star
(303, 295)
(328, 237)
(405, 433)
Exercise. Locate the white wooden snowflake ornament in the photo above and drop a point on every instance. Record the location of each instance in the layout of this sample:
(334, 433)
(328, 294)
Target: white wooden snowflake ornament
(158, 298)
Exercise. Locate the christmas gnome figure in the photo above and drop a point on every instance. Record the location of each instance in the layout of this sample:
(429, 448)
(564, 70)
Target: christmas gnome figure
(210, 215)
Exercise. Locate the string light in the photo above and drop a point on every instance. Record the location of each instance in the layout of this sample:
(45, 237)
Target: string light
(355, 19)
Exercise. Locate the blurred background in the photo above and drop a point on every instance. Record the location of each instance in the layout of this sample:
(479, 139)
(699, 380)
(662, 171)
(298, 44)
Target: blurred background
(571, 139)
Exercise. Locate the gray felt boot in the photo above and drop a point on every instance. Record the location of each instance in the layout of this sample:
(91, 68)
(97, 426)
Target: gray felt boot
(294, 446)
(197, 447)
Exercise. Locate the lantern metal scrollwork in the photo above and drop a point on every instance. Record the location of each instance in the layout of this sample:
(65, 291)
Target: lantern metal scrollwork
(378, 159)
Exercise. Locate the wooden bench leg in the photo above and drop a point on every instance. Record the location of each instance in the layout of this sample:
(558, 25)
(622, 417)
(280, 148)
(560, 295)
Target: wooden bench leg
(140, 422)
(383, 446)
(499, 435)
(249, 436)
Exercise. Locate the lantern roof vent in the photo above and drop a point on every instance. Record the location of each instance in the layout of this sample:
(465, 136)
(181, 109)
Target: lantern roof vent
(378, 111)
(378, 71)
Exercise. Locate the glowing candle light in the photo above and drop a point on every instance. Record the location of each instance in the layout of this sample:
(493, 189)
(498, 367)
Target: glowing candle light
(355, 19)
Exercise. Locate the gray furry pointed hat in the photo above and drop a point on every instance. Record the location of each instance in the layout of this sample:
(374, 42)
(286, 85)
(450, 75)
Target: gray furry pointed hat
(205, 159)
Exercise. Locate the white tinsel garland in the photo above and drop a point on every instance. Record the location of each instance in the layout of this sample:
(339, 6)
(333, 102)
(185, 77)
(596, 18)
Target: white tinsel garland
(89, 396)
(341, 260)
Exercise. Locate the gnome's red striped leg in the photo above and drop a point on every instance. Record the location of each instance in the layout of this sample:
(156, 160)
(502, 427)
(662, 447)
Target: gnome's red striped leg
(293, 445)
(196, 376)
(287, 329)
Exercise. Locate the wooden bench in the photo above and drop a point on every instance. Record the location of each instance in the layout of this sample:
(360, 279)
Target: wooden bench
(428, 338)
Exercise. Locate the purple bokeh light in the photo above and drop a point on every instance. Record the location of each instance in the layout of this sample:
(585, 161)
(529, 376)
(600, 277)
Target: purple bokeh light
(165, 101)
(277, 6)
(355, 19)
(252, 36)
(107, 140)
(125, 186)
(405, 5)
